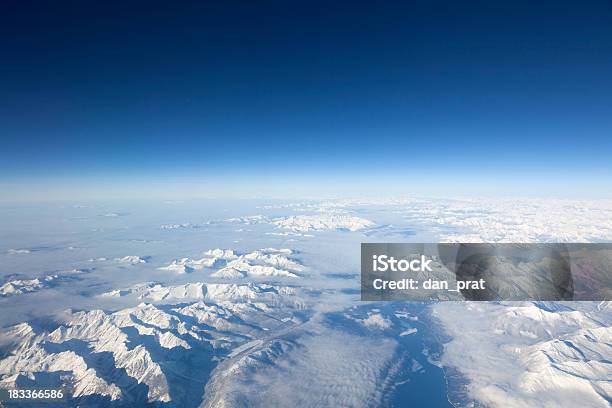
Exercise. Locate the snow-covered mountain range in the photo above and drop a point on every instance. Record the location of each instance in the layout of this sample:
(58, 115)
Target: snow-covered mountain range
(130, 314)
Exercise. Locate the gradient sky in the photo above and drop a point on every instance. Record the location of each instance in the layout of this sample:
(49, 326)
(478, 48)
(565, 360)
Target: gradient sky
(305, 97)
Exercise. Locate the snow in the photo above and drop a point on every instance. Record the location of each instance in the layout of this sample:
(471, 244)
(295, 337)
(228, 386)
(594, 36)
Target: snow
(18, 251)
(306, 223)
(140, 341)
(515, 220)
(184, 225)
(408, 332)
(258, 320)
(242, 269)
(187, 265)
(521, 354)
(131, 259)
(221, 253)
(259, 263)
(248, 220)
(21, 286)
(315, 366)
(268, 262)
(216, 292)
(377, 321)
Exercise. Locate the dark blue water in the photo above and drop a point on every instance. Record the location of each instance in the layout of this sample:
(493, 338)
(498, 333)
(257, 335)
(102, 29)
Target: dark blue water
(423, 386)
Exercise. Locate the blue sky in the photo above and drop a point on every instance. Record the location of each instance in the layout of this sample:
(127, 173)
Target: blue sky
(306, 98)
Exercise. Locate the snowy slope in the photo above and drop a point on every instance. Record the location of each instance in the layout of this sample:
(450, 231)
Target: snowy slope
(531, 354)
(145, 353)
